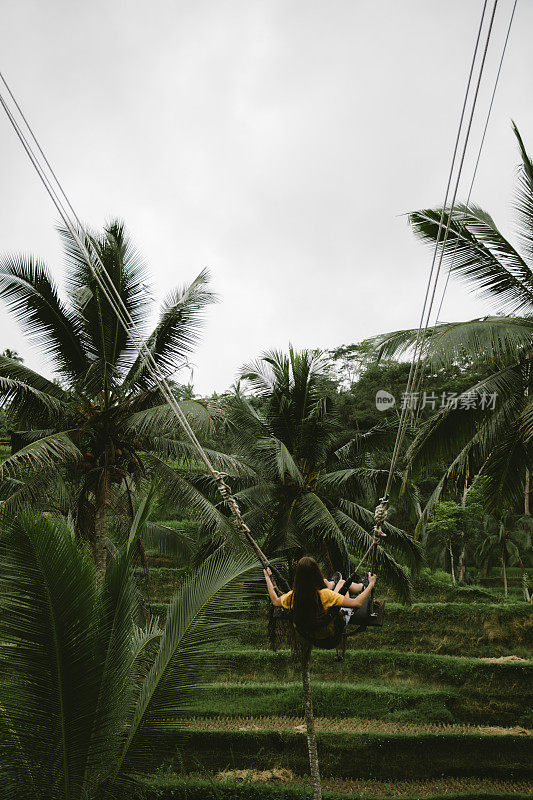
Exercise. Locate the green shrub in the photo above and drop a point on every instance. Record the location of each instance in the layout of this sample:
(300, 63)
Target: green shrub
(472, 673)
(331, 699)
(375, 699)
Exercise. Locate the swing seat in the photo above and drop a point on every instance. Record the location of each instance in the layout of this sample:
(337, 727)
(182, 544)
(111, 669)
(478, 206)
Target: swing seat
(367, 619)
(336, 629)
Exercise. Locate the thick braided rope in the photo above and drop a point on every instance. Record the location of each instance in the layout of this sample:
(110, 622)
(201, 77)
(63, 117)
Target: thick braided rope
(225, 491)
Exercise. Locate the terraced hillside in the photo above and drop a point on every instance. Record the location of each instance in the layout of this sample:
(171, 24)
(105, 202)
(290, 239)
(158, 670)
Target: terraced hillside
(436, 704)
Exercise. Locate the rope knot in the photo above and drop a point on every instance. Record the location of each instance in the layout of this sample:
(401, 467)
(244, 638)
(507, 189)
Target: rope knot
(221, 483)
(380, 514)
(225, 491)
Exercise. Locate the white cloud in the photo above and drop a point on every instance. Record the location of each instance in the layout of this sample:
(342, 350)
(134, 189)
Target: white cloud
(276, 142)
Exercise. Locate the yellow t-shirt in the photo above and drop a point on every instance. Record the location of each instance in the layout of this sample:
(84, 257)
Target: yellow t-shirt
(328, 598)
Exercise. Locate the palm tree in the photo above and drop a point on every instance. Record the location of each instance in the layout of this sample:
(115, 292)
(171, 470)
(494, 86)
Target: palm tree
(489, 427)
(84, 689)
(307, 494)
(507, 540)
(101, 427)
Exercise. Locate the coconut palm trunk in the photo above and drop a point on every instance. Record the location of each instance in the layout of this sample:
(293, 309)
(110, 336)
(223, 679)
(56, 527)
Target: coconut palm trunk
(504, 566)
(462, 565)
(310, 723)
(99, 544)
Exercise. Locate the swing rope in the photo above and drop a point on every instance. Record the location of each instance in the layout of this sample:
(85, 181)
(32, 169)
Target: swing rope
(442, 237)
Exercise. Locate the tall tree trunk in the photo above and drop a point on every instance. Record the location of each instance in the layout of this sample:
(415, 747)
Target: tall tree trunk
(452, 567)
(525, 587)
(504, 570)
(418, 531)
(310, 723)
(527, 487)
(99, 545)
(462, 565)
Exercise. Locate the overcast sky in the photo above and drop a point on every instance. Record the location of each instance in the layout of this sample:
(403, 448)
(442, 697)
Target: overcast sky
(277, 142)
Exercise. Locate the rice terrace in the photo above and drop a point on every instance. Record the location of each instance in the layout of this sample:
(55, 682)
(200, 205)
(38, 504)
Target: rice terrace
(265, 525)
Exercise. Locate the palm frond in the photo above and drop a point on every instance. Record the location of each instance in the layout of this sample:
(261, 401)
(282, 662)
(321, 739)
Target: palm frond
(161, 420)
(44, 488)
(268, 373)
(397, 541)
(10, 368)
(479, 253)
(30, 405)
(28, 290)
(199, 618)
(313, 515)
(140, 520)
(505, 469)
(527, 420)
(524, 199)
(51, 451)
(48, 689)
(110, 346)
(187, 453)
(246, 423)
(277, 462)
(453, 427)
(177, 331)
(490, 339)
(118, 605)
(176, 489)
(167, 541)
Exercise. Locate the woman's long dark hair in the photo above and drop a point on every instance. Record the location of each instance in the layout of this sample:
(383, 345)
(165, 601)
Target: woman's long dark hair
(306, 604)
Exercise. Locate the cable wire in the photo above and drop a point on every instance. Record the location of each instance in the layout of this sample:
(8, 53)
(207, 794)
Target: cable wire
(437, 316)
(434, 274)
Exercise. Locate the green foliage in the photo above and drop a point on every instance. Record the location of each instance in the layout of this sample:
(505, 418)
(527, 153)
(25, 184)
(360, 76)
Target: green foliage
(330, 699)
(511, 679)
(83, 685)
(451, 531)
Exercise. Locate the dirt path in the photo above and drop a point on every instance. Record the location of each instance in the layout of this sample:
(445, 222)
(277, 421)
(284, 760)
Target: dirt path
(353, 725)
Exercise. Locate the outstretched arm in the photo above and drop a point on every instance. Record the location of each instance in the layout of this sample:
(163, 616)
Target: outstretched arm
(271, 591)
(357, 602)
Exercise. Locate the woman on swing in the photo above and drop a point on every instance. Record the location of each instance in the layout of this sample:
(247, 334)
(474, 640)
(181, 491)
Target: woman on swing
(312, 595)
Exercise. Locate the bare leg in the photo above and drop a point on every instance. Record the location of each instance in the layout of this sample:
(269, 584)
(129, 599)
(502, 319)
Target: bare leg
(355, 588)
